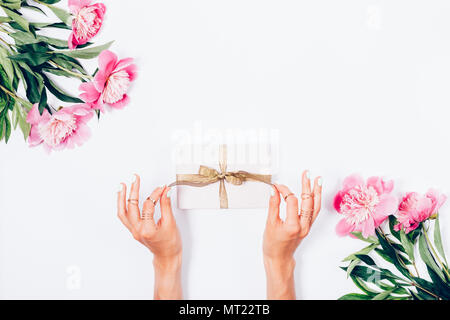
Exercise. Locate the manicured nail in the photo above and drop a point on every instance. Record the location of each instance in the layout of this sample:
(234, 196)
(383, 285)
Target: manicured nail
(133, 179)
(307, 175)
(272, 192)
(320, 181)
(120, 188)
(169, 193)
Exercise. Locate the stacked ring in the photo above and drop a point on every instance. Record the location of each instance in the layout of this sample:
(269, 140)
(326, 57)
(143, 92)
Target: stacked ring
(306, 196)
(306, 213)
(288, 195)
(133, 201)
(146, 215)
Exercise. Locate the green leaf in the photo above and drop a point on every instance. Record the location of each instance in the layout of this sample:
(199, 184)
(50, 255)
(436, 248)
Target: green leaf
(32, 58)
(366, 259)
(22, 38)
(414, 295)
(441, 288)
(2, 128)
(355, 296)
(58, 25)
(384, 255)
(43, 101)
(392, 222)
(18, 19)
(383, 295)
(33, 89)
(7, 127)
(368, 239)
(363, 286)
(24, 125)
(370, 274)
(351, 266)
(62, 14)
(5, 19)
(6, 64)
(50, 1)
(390, 251)
(69, 63)
(428, 258)
(57, 72)
(58, 92)
(414, 234)
(438, 239)
(11, 4)
(34, 8)
(409, 247)
(365, 250)
(89, 53)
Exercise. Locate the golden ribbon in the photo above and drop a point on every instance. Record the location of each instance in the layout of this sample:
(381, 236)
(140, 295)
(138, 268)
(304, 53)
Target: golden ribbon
(207, 176)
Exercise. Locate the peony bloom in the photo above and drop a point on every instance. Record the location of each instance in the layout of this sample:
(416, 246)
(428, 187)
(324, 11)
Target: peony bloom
(63, 129)
(415, 208)
(111, 82)
(364, 206)
(87, 21)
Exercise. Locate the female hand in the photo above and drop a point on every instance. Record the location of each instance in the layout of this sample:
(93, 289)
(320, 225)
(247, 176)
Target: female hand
(162, 237)
(281, 238)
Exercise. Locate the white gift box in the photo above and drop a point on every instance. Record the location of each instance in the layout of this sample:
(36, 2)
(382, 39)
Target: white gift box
(252, 158)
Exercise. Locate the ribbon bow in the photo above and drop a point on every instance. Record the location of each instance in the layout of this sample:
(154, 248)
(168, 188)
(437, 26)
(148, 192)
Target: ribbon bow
(207, 176)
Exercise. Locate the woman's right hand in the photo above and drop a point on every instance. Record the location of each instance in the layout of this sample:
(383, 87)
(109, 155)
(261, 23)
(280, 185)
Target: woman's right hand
(281, 238)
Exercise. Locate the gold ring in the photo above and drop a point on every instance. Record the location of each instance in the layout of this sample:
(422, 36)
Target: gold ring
(288, 195)
(133, 201)
(306, 196)
(152, 200)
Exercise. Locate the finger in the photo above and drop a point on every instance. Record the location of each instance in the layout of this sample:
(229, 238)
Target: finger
(274, 205)
(307, 206)
(166, 206)
(317, 197)
(122, 206)
(291, 203)
(148, 209)
(133, 202)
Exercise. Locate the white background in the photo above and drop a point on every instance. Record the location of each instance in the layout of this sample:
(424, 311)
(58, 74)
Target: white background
(352, 86)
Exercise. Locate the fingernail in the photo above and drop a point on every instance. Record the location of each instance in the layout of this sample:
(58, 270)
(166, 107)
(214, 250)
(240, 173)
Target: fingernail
(307, 174)
(120, 188)
(320, 181)
(169, 193)
(272, 192)
(133, 179)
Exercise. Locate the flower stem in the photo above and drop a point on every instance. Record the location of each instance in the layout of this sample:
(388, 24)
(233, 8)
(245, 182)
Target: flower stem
(78, 75)
(16, 97)
(434, 252)
(396, 254)
(415, 268)
(429, 292)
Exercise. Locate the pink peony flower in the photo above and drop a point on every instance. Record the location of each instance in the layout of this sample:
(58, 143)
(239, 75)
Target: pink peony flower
(364, 205)
(415, 208)
(63, 129)
(111, 82)
(87, 21)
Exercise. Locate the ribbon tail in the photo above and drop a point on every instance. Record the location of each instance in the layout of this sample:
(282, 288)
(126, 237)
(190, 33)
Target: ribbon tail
(223, 195)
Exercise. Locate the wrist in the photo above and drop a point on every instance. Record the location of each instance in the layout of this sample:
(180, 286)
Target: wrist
(167, 264)
(167, 277)
(280, 278)
(279, 266)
